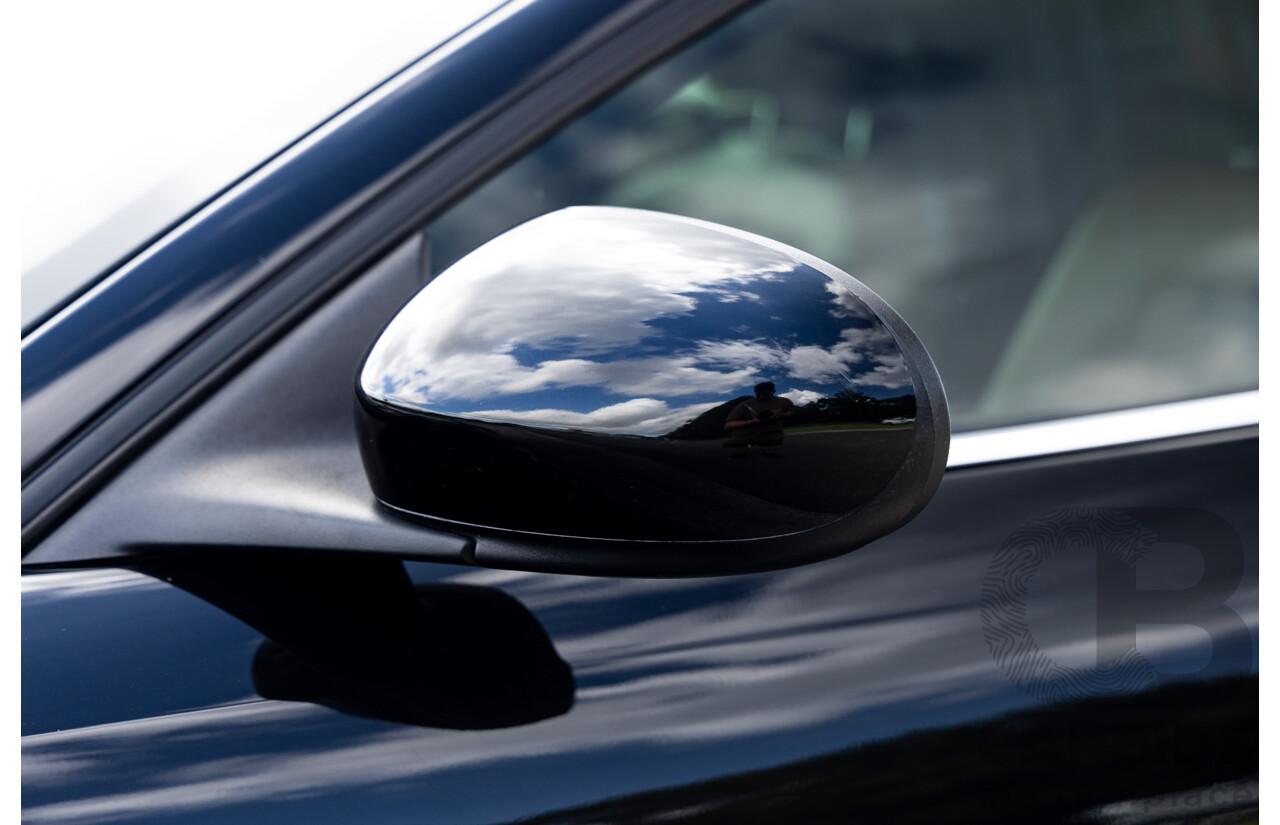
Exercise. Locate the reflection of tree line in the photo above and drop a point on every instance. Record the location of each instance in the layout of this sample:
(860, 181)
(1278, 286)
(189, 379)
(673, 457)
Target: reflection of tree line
(845, 407)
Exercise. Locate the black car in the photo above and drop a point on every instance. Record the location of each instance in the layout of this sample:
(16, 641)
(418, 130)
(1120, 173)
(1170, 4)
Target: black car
(545, 543)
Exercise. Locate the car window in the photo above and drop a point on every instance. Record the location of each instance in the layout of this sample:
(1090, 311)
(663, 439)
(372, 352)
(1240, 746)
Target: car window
(1060, 197)
(114, 149)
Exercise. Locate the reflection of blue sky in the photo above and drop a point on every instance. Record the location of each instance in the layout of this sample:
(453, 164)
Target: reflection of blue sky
(624, 321)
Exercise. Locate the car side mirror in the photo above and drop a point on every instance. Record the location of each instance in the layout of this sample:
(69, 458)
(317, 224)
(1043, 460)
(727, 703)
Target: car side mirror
(620, 392)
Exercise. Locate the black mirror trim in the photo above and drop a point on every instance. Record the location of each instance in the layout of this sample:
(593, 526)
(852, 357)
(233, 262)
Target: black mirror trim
(906, 493)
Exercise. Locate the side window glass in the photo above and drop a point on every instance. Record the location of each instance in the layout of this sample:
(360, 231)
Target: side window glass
(1061, 197)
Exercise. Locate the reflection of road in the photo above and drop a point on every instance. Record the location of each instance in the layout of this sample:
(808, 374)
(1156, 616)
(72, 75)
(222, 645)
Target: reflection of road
(823, 471)
(608, 486)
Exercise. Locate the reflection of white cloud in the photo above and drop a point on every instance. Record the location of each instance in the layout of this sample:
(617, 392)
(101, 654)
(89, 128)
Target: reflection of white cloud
(75, 583)
(578, 300)
(890, 372)
(847, 305)
(802, 397)
(584, 293)
(476, 377)
(872, 347)
(734, 297)
(639, 416)
(643, 376)
(741, 354)
(877, 339)
(813, 363)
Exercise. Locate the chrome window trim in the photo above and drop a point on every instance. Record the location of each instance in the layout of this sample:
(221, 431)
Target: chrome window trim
(1108, 429)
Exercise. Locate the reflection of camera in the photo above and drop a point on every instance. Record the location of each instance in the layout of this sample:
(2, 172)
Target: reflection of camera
(765, 415)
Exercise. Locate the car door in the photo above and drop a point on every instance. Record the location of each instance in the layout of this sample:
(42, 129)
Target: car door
(1061, 201)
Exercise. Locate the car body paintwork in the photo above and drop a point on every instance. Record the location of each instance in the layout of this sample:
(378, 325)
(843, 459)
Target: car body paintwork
(679, 682)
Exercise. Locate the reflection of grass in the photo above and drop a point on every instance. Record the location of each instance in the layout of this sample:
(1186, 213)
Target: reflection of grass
(858, 425)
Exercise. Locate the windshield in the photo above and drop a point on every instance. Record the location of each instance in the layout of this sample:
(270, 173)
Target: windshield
(134, 113)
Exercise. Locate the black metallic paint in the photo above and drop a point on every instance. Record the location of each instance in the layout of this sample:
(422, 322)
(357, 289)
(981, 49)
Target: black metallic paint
(683, 685)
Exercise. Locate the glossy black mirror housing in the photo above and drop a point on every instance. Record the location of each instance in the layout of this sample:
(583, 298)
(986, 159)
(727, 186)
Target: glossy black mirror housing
(584, 394)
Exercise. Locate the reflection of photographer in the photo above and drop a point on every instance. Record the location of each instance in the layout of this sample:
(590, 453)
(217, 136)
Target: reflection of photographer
(758, 422)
